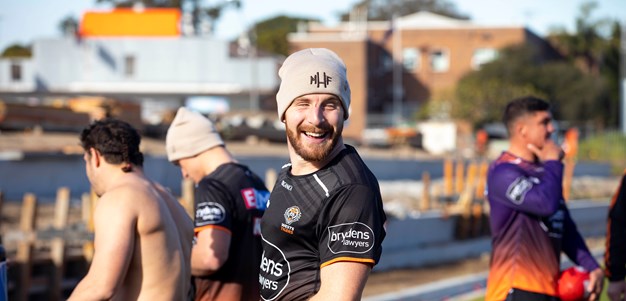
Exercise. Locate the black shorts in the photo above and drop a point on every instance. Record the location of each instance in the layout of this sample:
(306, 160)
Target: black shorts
(516, 294)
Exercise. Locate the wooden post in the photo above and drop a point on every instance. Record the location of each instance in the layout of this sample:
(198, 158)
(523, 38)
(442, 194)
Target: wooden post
(24, 255)
(464, 205)
(568, 175)
(425, 204)
(482, 180)
(447, 178)
(459, 177)
(270, 178)
(570, 149)
(57, 247)
(472, 171)
(89, 204)
(187, 197)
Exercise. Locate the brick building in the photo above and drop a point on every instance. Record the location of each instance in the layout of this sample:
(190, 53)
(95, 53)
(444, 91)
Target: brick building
(431, 53)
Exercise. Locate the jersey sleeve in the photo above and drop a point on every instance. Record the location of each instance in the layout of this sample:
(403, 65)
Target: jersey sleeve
(509, 185)
(615, 256)
(351, 226)
(212, 206)
(574, 245)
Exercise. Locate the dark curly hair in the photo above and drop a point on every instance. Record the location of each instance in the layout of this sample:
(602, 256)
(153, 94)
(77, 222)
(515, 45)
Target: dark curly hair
(116, 140)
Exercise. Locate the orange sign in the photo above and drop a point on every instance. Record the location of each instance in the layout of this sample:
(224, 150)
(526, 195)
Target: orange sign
(128, 22)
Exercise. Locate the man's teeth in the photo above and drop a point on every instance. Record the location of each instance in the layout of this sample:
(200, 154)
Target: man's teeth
(316, 135)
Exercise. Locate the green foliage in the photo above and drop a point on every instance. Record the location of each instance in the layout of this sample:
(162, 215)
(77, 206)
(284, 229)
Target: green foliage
(594, 48)
(272, 33)
(380, 10)
(17, 51)
(607, 147)
(582, 86)
(519, 71)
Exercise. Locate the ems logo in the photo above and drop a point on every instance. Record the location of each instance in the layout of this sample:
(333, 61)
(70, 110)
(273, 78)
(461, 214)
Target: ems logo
(255, 199)
(292, 215)
(350, 238)
(518, 189)
(208, 213)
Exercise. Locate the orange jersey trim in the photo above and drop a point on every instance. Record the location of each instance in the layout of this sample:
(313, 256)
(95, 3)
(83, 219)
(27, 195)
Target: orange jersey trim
(349, 259)
(196, 230)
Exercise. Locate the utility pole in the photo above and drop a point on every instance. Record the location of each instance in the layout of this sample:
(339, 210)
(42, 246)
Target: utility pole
(622, 85)
(397, 71)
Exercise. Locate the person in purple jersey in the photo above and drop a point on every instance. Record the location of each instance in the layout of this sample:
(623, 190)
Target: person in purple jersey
(530, 223)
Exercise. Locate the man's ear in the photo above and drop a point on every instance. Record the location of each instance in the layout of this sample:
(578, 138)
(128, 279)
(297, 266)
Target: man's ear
(95, 155)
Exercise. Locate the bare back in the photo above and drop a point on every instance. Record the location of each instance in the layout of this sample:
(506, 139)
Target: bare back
(143, 243)
(159, 267)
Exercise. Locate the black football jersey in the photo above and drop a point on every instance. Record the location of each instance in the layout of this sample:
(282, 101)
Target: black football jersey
(311, 221)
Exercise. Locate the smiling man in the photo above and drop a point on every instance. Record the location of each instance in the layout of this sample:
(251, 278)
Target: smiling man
(530, 224)
(323, 228)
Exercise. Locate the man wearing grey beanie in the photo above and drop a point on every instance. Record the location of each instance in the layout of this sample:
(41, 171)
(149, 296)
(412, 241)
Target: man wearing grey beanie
(229, 203)
(323, 228)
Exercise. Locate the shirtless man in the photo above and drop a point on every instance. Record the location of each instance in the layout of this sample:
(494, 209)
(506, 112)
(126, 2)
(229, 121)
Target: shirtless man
(142, 235)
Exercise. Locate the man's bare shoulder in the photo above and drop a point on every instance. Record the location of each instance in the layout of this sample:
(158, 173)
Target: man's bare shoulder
(133, 192)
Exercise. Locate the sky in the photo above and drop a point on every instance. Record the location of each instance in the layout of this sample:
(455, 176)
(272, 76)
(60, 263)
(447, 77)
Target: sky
(22, 21)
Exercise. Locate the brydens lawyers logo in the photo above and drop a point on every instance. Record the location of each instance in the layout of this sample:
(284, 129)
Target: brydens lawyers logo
(208, 213)
(350, 238)
(275, 271)
(292, 215)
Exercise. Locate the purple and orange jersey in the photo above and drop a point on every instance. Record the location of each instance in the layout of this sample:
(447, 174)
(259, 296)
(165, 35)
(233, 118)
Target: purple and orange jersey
(530, 226)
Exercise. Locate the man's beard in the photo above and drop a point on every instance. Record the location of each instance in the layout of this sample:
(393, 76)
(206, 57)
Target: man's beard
(314, 152)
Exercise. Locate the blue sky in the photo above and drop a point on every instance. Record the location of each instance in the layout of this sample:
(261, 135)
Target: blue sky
(22, 21)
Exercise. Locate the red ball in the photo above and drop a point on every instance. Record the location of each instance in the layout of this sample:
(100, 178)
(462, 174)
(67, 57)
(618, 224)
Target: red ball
(572, 285)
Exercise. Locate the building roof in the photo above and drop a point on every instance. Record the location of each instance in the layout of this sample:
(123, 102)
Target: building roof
(418, 20)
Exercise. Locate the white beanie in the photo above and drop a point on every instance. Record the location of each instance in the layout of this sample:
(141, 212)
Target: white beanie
(313, 70)
(189, 135)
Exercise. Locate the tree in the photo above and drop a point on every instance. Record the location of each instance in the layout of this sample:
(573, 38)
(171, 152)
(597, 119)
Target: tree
(380, 10)
(519, 71)
(272, 33)
(17, 51)
(595, 48)
(586, 45)
(68, 26)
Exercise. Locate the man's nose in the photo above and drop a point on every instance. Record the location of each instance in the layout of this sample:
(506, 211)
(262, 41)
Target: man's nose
(315, 115)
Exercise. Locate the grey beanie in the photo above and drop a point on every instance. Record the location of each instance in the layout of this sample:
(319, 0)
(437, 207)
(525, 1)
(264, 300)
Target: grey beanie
(189, 135)
(313, 70)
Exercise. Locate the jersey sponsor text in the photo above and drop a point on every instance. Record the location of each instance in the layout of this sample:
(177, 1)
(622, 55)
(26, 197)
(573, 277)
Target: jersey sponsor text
(350, 238)
(208, 213)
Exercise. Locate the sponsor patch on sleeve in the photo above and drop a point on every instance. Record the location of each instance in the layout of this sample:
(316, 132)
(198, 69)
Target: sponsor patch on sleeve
(209, 213)
(518, 189)
(354, 237)
(255, 199)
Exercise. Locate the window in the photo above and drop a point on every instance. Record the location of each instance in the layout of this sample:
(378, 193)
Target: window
(129, 65)
(483, 56)
(16, 72)
(439, 60)
(411, 59)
